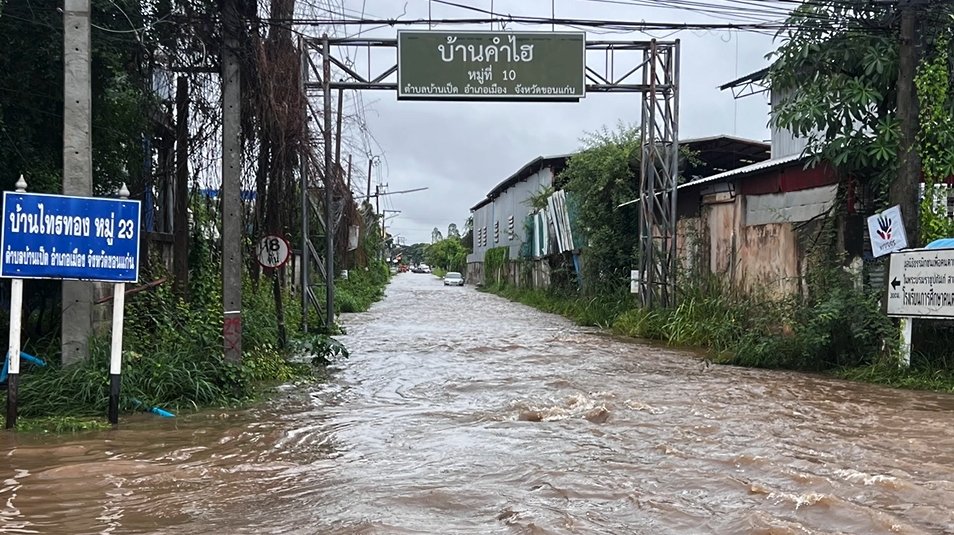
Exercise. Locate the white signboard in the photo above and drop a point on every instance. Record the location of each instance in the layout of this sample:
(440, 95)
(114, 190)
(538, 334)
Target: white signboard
(273, 251)
(886, 231)
(634, 280)
(922, 284)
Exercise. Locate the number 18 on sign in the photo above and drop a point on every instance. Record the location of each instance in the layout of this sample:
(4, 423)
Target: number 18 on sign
(273, 251)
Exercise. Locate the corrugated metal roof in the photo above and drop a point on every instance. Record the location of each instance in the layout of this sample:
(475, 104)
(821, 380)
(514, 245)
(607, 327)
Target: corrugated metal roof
(747, 170)
(533, 166)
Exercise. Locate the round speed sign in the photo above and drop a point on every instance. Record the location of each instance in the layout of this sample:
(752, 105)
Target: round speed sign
(273, 251)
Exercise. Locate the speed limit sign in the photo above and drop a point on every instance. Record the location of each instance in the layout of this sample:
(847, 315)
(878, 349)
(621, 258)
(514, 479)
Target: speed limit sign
(273, 251)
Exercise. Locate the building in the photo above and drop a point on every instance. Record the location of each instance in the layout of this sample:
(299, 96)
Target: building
(526, 214)
(754, 224)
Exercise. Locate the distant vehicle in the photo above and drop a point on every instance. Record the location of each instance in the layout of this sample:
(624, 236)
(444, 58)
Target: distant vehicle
(424, 268)
(453, 278)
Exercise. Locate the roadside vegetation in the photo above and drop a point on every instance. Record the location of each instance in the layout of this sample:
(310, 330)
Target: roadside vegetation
(835, 326)
(173, 357)
(848, 113)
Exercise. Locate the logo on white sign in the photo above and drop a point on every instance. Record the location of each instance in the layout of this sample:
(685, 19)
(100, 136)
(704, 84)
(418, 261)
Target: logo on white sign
(886, 231)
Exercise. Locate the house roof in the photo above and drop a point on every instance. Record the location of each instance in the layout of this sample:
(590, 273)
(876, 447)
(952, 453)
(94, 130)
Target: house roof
(745, 171)
(718, 154)
(756, 76)
(530, 168)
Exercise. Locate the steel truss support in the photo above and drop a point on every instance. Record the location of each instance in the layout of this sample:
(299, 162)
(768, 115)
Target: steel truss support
(655, 75)
(659, 175)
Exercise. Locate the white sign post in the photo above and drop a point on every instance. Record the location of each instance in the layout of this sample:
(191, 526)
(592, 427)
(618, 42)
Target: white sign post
(921, 285)
(116, 347)
(886, 231)
(63, 237)
(13, 350)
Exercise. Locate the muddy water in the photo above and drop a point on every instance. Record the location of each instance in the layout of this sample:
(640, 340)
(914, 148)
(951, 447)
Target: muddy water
(459, 412)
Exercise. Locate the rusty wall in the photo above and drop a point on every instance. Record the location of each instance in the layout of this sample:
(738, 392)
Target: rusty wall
(766, 257)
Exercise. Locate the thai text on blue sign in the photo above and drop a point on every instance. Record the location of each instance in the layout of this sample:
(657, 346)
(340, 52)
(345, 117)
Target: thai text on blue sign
(62, 237)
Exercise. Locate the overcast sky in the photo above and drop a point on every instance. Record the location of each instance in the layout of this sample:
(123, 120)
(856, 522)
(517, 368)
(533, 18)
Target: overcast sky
(460, 150)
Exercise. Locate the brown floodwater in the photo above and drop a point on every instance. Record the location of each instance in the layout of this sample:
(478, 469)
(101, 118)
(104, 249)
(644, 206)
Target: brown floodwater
(460, 412)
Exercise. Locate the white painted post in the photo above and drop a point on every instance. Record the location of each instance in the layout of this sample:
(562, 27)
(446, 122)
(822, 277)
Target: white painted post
(13, 350)
(116, 347)
(906, 324)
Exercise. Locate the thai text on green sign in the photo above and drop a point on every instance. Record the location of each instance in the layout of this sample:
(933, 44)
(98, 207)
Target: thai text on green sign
(435, 65)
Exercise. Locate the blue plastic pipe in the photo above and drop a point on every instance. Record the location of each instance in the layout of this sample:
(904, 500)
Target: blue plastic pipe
(155, 410)
(24, 356)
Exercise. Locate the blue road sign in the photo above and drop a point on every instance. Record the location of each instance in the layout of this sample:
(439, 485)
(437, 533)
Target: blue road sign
(62, 237)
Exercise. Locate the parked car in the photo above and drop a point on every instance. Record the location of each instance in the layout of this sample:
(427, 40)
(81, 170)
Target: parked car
(453, 278)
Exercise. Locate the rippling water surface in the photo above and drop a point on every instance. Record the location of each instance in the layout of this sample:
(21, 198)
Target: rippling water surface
(459, 412)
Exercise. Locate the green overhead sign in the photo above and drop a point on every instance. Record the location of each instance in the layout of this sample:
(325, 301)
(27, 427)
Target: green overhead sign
(438, 65)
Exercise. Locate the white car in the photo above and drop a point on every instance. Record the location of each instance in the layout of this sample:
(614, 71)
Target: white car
(425, 268)
(453, 278)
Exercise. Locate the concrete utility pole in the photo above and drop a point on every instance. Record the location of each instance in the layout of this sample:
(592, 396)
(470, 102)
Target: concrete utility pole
(77, 318)
(370, 167)
(338, 129)
(231, 185)
(904, 189)
(329, 199)
(180, 225)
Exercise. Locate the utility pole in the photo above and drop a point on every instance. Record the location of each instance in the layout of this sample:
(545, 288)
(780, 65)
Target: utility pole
(305, 239)
(329, 200)
(231, 184)
(338, 129)
(349, 173)
(181, 221)
(904, 189)
(77, 312)
(377, 201)
(370, 166)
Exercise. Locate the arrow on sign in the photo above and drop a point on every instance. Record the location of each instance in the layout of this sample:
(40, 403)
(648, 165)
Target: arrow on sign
(895, 283)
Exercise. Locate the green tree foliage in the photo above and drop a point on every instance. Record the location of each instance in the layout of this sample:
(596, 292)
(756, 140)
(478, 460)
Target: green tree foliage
(415, 253)
(448, 254)
(936, 139)
(835, 76)
(453, 231)
(31, 93)
(601, 177)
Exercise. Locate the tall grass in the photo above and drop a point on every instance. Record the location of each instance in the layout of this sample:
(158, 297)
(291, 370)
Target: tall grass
(362, 288)
(835, 328)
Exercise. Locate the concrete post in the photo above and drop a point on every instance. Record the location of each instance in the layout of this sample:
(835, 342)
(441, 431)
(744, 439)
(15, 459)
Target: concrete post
(231, 187)
(77, 312)
(180, 227)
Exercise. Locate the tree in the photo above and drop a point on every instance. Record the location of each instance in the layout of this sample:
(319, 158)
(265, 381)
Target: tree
(452, 231)
(436, 235)
(601, 177)
(448, 254)
(836, 77)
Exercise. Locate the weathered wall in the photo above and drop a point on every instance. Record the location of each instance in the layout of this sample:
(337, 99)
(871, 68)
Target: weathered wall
(767, 255)
(521, 273)
(510, 203)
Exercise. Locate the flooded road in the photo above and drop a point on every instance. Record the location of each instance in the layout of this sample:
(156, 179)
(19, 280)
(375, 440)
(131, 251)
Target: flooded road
(460, 412)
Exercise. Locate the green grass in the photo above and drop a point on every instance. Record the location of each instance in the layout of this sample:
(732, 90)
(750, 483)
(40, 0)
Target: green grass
(362, 288)
(842, 333)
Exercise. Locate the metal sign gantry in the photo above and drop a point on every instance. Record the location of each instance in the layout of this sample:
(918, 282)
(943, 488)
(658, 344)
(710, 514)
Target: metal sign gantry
(655, 76)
